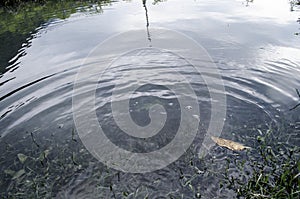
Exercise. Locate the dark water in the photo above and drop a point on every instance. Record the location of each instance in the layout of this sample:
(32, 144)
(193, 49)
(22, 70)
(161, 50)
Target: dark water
(254, 45)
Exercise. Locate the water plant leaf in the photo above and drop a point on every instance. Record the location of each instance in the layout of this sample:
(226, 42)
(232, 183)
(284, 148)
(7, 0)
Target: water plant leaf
(9, 172)
(18, 174)
(22, 157)
(46, 153)
(43, 156)
(235, 146)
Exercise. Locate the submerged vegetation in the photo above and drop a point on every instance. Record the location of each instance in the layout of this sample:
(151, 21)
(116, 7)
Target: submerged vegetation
(275, 173)
(270, 170)
(41, 170)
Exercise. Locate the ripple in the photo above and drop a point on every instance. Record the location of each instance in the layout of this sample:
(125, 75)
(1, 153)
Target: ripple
(36, 96)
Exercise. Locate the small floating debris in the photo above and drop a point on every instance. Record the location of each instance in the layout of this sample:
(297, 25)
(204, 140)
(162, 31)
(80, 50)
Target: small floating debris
(229, 144)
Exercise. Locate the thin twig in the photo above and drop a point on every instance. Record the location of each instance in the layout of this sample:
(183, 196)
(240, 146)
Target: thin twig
(298, 92)
(34, 141)
(295, 107)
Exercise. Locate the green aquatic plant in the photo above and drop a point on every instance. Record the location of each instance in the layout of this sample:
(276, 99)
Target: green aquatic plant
(275, 173)
(270, 170)
(41, 170)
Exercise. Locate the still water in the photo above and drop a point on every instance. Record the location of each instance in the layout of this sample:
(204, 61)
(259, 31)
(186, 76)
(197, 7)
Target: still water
(254, 45)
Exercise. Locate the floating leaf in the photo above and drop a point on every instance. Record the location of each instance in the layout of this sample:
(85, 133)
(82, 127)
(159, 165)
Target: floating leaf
(229, 144)
(22, 157)
(18, 174)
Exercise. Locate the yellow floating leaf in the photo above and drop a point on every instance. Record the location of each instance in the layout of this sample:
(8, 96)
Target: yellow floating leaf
(229, 144)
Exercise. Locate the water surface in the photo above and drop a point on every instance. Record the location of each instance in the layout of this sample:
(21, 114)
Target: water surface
(253, 44)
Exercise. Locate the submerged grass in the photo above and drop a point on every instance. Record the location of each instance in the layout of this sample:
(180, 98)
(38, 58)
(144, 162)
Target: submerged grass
(271, 170)
(41, 170)
(275, 173)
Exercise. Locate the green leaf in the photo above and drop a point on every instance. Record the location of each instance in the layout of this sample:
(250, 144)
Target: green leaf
(43, 155)
(46, 153)
(9, 172)
(22, 157)
(18, 174)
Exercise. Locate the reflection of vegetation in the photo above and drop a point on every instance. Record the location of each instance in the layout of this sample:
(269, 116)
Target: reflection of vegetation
(298, 33)
(157, 1)
(19, 21)
(248, 1)
(147, 20)
(14, 3)
(25, 18)
(294, 3)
